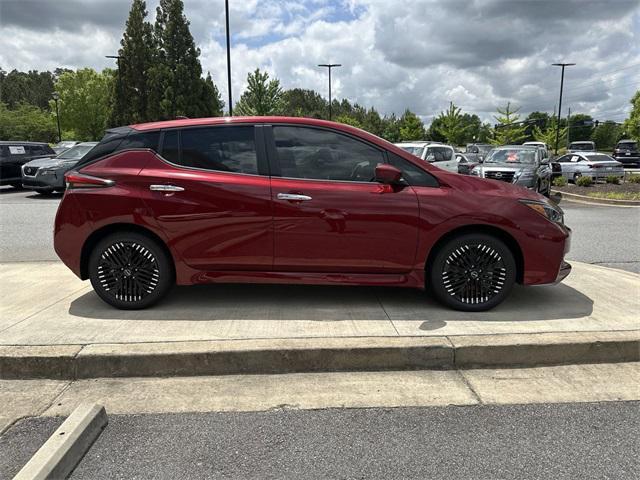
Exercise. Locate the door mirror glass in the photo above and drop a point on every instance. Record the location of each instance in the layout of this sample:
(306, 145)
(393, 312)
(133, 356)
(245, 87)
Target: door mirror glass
(387, 174)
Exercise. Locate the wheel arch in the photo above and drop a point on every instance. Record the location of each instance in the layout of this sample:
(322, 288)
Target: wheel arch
(102, 232)
(508, 239)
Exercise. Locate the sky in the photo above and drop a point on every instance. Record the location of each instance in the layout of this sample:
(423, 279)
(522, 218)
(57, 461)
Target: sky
(418, 54)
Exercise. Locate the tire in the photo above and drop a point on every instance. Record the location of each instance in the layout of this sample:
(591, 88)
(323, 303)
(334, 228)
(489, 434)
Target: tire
(115, 262)
(472, 272)
(44, 192)
(17, 186)
(576, 176)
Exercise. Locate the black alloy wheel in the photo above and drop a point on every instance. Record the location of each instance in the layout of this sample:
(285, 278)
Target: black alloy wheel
(472, 272)
(130, 271)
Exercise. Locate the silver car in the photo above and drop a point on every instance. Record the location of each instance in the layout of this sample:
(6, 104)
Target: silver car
(518, 164)
(47, 174)
(598, 166)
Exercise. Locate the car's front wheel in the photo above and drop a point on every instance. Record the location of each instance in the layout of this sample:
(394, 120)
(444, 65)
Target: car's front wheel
(130, 271)
(472, 272)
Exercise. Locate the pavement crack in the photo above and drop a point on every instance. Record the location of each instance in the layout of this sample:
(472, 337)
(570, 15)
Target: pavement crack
(386, 313)
(466, 381)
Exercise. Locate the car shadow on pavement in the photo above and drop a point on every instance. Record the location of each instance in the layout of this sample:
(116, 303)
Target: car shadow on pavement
(329, 303)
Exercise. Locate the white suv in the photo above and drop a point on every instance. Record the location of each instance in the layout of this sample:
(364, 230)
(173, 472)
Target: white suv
(441, 155)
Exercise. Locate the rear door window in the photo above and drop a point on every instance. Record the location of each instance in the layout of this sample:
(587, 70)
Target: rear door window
(225, 149)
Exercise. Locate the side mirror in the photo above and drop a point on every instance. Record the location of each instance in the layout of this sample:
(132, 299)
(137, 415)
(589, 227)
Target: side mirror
(387, 174)
(544, 161)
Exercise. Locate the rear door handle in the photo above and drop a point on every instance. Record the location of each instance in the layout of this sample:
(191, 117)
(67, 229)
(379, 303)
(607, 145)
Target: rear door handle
(293, 197)
(165, 188)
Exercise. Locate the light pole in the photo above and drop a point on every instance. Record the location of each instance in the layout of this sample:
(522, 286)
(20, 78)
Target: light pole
(563, 65)
(329, 66)
(56, 97)
(226, 12)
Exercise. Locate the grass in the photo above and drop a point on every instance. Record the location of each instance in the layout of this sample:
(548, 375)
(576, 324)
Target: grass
(615, 195)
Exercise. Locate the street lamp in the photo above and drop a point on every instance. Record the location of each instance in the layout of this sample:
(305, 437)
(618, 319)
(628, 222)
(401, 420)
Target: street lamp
(329, 66)
(226, 12)
(563, 65)
(56, 97)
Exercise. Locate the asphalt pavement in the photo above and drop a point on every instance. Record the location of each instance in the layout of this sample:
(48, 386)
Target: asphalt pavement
(597, 440)
(606, 236)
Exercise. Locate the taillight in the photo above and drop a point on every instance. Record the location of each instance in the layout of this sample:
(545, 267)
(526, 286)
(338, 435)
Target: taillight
(80, 180)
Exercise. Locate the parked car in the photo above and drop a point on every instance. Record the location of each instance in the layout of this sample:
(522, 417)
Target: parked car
(295, 200)
(15, 154)
(598, 166)
(626, 152)
(443, 156)
(518, 164)
(582, 146)
(477, 150)
(63, 146)
(45, 175)
(542, 146)
(465, 163)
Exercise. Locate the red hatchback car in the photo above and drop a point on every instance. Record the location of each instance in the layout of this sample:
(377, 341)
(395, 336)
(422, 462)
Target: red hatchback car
(295, 200)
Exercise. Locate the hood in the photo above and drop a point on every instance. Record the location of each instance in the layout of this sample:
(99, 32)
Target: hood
(505, 167)
(484, 186)
(45, 162)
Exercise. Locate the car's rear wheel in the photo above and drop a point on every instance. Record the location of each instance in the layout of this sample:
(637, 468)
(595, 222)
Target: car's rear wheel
(576, 176)
(472, 272)
(130, 271)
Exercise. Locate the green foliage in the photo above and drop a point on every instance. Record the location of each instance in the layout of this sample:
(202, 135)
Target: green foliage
(262, 96)
(559, 182)
(85, 102)
(606, 135)
(411, 127)
(27, 122)
(577, 130)
(584, 181)
(298, 102)
(633, 178)
(347, 120)
(130, 95)
(613, 179)
(31, 87)
(451, 125)
(391, 128)
(548, 135)
(536, 119)
(632, 124)
(508, 132)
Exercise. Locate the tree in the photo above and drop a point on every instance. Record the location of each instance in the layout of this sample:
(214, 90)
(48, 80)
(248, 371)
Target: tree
(175, 83)
(298, 102)
(580, 127)
(632, 124)
(130, 96)
(509, 130)
(31, 87)
(606, 135)
(262, 96)
(451, 125)
(539, 119)
(211, 102)
(391, 128)
(85, 100)
(548, 134)
(347, 120)
(27, 122)
(411, 127)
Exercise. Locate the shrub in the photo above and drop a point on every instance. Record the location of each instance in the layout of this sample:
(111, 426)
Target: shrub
(559, 182)
(613, 179)
(584, 181)
(633, 178)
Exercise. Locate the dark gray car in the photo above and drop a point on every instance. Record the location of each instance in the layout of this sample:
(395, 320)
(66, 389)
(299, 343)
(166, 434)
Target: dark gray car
(15, 154)
(518, 164)
(47, 174)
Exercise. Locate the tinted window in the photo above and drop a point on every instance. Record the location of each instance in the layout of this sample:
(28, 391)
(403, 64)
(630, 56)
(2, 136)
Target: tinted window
(140, 140)
(116, 140)
(440, 154)
(227, 149)
(324, 155)
(171, 146)
(105, 147)
(412, 174)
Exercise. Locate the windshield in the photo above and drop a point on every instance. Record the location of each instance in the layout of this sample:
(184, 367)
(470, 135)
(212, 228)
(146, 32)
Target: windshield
(599, 157)
(581, 146)
(484, 148)
(417, 151)
(75, 153)
(628, 146)
(511, 155)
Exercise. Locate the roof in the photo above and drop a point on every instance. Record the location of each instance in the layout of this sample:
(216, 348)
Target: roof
(583, 141)
(526, 147)
(20, 142)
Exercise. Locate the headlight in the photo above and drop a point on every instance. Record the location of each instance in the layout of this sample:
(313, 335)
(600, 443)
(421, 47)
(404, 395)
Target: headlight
(551, 212)
(475, 171)
(523, 175)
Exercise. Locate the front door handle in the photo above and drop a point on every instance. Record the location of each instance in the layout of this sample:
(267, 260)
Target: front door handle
(293, 197)
(165, 188)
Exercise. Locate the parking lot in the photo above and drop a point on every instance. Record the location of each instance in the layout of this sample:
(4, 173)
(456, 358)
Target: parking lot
(601, 235)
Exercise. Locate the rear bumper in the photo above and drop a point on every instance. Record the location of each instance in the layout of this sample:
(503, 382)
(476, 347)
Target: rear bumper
(628, 160)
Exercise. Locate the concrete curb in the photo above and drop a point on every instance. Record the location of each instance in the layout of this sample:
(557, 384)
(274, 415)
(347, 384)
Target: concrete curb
(574, 197)
(264, 356)
(67, 445)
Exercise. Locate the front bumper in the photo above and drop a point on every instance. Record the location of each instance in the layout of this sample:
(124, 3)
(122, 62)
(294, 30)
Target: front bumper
(565, 270)
(44, 181)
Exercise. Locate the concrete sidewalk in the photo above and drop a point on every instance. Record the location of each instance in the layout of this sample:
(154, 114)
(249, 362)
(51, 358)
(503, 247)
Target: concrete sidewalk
(48, 315)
